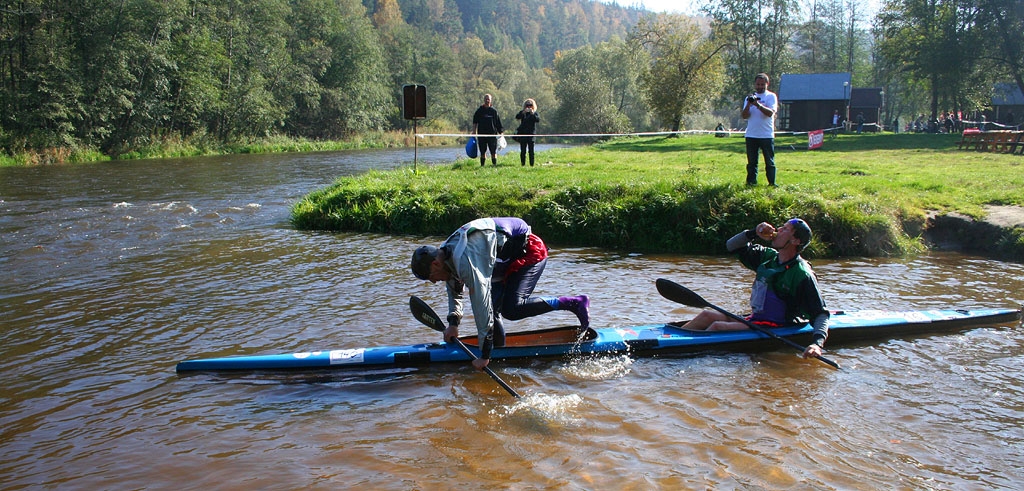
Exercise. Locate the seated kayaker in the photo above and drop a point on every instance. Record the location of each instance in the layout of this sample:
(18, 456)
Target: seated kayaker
(785, 290)
(500, 261)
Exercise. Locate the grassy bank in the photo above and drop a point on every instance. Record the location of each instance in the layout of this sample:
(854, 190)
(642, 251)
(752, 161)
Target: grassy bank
(864, 195)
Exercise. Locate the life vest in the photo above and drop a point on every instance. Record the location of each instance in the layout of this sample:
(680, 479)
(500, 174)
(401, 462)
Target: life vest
(773, 286)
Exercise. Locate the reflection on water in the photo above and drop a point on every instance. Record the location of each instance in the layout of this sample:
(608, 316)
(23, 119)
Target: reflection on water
(115, 272)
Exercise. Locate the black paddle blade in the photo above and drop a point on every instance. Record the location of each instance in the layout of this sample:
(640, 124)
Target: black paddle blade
(423, 313)
(679, 293)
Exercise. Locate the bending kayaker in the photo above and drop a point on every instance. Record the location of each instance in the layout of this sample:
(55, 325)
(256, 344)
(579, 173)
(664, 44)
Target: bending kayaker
(499, 261)
(785, 290)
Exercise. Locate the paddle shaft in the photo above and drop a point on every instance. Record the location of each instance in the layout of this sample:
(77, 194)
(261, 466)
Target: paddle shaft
(426, 315)
(769, 332)
(680, 294)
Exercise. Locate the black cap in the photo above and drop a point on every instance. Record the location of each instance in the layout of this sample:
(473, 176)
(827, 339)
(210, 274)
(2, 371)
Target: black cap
(801, 231)
(422, 257)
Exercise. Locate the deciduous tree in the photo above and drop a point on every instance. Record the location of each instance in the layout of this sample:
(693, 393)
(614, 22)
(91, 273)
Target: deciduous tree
(686, 72)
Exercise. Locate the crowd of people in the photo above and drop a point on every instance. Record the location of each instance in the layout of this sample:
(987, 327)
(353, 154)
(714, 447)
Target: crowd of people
(954, 122)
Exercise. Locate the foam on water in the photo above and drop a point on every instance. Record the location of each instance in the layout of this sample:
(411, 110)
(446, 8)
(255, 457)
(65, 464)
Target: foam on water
(598, 367)
(550, 409)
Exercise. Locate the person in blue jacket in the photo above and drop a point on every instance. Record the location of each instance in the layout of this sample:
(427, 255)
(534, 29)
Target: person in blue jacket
(499, 261)
(785, 290)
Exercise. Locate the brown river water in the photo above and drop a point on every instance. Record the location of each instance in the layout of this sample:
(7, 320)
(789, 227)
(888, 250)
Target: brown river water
(114, 272)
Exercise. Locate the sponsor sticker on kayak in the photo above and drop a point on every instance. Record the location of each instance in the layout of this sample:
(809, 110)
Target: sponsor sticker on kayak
(347, 356)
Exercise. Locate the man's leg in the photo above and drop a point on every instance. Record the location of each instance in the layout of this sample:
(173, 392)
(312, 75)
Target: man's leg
(493, 145)
(518, 302)
(752, 161)
(768, 150)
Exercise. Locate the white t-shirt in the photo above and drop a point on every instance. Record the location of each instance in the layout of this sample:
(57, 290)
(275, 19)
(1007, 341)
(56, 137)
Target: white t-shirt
(759, 125)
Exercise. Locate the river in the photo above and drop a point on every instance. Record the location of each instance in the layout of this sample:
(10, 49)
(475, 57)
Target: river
(113, 272)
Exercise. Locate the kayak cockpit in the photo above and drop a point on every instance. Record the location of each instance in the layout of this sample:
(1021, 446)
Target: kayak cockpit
(543, 337)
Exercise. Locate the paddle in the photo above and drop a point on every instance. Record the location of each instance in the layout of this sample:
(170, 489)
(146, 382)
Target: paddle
(680, 294)
(422, 312)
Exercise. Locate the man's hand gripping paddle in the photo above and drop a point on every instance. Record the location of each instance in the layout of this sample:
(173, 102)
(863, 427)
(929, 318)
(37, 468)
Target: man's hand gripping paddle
(423, 313)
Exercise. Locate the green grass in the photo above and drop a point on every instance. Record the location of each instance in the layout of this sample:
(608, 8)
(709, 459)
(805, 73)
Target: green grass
(864, 195)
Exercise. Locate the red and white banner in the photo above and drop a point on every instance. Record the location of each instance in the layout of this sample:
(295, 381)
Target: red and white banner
(815, 139)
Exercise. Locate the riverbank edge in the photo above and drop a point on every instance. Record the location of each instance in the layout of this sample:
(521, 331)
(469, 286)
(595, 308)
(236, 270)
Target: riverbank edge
(999, 235)
(204, 147)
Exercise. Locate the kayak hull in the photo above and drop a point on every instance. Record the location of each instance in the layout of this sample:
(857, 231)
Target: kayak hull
(844, 328)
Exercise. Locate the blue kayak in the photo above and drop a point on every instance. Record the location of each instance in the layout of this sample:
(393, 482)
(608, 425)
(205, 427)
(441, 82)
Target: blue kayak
(563, 342)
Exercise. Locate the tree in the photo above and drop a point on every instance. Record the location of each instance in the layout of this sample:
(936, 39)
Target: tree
(40, 87)
(585, 95)
(757, 37)
(346, 84)
(935, 44)
(1003, 22)
(117, 75)
(686, 71)
(489, 73)
(832, 40)
(624, 63)
(418, 55)
(195, 91)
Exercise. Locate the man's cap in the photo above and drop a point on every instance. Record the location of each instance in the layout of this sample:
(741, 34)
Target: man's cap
(801, 231)
(422, 257)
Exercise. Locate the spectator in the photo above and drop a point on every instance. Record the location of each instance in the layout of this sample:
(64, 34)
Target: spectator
(759, 111)
(487, 122)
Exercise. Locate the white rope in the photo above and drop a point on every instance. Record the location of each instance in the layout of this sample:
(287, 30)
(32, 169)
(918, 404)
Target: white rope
(649, 133)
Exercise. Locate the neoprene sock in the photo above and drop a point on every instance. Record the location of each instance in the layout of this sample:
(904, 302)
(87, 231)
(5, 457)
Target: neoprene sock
(579, 305)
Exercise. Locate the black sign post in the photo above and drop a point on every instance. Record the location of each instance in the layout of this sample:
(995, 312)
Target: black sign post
(414, 107)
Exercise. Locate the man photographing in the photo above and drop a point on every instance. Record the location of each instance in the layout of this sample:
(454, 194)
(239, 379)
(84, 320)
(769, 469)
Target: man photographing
(759, 110)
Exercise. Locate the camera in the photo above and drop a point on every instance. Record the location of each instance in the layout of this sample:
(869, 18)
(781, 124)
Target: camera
(752, 98)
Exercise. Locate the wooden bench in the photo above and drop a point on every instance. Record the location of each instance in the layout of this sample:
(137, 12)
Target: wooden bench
(999, 141)
(1002, 141)
(1017, 147)
(970, 139)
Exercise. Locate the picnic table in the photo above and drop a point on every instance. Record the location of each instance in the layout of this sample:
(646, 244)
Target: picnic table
(999, 141)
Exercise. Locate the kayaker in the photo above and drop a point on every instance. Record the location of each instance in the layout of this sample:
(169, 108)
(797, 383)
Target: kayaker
(785, 290)
(499, 261)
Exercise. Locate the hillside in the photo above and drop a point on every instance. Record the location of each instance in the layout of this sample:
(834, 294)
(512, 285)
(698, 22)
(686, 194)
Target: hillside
(121, 78)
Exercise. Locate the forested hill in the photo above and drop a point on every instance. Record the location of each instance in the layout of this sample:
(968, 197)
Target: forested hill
(539, 28)
(118, 75)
